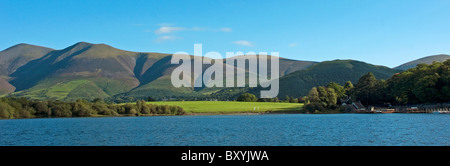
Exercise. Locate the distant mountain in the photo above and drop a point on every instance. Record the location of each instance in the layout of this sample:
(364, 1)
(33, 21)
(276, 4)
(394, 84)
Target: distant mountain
(427, 60)
(14, 57)
(300, 82)
(161, 86)
(83, 70)
(89, 71)
(287, 66)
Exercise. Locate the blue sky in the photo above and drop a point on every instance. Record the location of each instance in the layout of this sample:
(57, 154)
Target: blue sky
(382, 32)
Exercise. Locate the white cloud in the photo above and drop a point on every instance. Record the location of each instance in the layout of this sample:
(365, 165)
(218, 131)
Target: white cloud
(244, 43)
(168, 29)
(293, 45)
(225, 29)
(165, 31)
(166, 38)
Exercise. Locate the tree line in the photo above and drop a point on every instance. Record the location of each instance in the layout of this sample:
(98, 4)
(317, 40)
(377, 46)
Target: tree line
(248, 97)
(15, 108)
(327, 98)
(422, 84)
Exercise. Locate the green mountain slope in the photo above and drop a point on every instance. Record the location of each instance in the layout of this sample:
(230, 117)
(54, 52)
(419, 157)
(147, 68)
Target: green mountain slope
(89, 71)
(62, 74)
(16, 56)
(300, 82)
(6, 87)
(427, 60)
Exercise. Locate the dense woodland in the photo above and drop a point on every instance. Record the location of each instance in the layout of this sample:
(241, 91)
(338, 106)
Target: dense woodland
(422, 84)
(14, 108)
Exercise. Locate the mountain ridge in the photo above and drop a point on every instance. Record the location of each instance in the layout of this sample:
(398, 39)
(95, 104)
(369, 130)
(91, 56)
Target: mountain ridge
(427, 60)
(300, 82)
(86, 70)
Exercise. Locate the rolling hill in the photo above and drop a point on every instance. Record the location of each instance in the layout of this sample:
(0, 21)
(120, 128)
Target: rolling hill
(92, 70)
(89, 71)
(300, 82)
(16, 56)
(427, 60)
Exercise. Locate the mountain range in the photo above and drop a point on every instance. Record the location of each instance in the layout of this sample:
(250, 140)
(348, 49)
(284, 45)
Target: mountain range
(90, 71)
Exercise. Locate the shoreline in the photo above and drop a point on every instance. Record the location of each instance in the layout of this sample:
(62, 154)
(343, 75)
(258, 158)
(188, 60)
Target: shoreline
(187, 114)
(244, 113)
(222, 113)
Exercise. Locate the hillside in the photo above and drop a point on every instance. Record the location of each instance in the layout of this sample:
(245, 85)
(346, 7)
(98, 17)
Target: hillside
(5, 87)
(83, 70)
(16, 56)
(286, 66)
(86, 70)
(300, 82)
(427, 60)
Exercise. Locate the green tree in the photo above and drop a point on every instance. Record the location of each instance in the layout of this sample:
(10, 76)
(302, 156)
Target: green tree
(332, 97)
(369, 90)
(338, 89)
(145, 109)
(314, 107)
(276, 99)
(247, 97)
(445, 81)
(166, 109)
(323, 95)
(180, 111)
(60, 109)
(422, 84)
(81, 108)
(293, 100)
(102, 109)
(348, 86)
(321, 99)
(6, 110)
(42, 109)
(133, 112)
(130, 109)
(287, 99)
(313, 95)
(139, 105)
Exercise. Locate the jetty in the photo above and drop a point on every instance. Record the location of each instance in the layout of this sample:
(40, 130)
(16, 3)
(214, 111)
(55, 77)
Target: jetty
(439, 108)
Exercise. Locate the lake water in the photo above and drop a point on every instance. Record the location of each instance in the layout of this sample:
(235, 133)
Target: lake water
(232, 130)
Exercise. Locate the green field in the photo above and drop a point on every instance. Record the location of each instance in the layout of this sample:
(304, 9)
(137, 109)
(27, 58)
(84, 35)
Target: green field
(224, 107)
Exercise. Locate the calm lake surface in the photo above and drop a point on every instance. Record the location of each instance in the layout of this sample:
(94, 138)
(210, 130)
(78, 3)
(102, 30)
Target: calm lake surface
(232, 130)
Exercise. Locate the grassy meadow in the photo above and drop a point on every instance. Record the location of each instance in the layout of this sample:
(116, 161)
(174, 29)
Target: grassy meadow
(225, 107)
